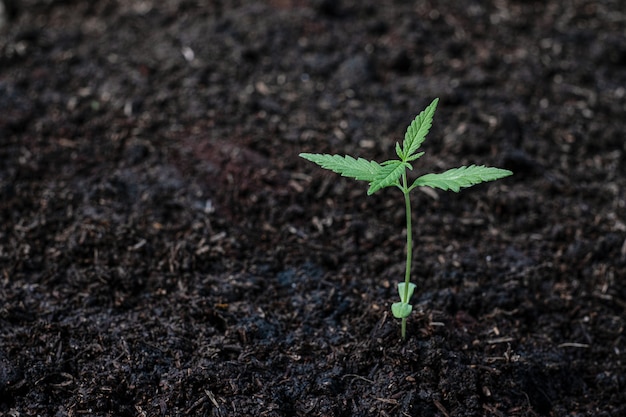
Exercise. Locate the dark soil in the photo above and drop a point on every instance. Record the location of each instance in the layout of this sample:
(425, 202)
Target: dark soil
(164, 251)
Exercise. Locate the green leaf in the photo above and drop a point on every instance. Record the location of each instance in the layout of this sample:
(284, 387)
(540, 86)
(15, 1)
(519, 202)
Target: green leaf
(399, 151)
(402, 289)
(456, 178)
(414, 157)
(418, 129)
(401, 310)
(388, 175)
(359, 169)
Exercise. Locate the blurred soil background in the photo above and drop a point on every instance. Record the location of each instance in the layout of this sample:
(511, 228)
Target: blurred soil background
(164, 251)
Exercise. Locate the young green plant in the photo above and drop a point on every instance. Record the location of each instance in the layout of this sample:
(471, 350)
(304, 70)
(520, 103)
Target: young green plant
(393, 173)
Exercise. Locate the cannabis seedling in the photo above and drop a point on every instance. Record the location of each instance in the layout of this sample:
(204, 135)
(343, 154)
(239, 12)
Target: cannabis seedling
(394, 173)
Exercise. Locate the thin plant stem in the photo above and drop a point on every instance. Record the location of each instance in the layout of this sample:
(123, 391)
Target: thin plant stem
(409, 247)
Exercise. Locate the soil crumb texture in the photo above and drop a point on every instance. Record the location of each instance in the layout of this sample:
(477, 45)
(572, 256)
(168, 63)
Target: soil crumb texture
(165, 252)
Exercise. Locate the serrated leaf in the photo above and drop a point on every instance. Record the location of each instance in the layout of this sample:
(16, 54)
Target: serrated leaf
(456, 178)
(399, 151)
(347, 166)
(418, 129)
(388, 175)
(414, 157)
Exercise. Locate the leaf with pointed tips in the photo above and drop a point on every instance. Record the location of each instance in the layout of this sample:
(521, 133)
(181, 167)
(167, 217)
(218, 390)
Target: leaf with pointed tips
(347, 166)
(414, 157)
(399, 151)
(388, 175)
(418, 129)
(456, 178)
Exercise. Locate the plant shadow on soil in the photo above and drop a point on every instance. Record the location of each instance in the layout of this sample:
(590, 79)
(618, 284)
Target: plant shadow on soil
(163, 250)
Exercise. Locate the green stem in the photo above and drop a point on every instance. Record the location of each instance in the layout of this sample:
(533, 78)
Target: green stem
(409, 247)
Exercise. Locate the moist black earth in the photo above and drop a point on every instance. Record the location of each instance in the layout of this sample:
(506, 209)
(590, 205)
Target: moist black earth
(165, 252)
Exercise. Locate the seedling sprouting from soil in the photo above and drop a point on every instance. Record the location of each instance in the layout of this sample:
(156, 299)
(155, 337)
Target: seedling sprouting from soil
(394, 173)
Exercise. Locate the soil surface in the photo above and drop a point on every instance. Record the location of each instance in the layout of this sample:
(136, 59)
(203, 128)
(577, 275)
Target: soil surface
(164, 251)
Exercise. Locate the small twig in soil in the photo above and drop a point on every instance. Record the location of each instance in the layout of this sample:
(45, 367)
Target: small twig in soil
(441, 408)
(355, 376)
(572, 344)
